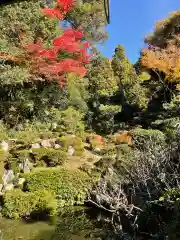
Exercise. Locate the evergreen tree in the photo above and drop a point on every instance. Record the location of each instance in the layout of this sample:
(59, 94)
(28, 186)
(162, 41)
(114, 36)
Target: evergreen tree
(104, 102)
(128, 80)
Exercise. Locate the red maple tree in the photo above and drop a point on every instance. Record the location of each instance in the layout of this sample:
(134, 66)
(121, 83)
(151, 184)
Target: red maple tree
(49, 61)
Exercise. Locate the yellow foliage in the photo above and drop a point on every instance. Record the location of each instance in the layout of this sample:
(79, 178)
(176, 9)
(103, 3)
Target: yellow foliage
(163, 60)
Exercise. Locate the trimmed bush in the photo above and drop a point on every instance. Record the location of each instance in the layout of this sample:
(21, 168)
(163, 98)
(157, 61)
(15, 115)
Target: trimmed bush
(17, 204)
(142, 136)
(49, 157)
(75, 142)
(69, 186)
(42, 156)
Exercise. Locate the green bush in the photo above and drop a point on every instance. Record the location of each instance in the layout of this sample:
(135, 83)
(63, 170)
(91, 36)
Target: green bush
(75, 142)
(21, 154)
(41, 156)
(142, 136)
(18, 157)
(27, 137)
(109, 149)
(69, 121)
(172, 194)
(17, 204)
(70, 186)
(50, 157)
(3, 155)
(105, 162)
(125, 159)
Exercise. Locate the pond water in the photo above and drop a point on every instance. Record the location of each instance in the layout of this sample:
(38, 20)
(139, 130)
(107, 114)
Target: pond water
(85, 224)
(73, 224)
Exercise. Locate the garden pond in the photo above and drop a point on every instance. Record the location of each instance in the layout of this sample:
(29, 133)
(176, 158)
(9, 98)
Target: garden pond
(72, 224)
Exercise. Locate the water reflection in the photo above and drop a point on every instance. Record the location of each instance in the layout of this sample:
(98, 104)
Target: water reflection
(71, 224)
(81, 224)
(86, 223)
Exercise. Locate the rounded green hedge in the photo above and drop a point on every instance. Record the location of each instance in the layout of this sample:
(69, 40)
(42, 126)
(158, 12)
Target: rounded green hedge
(142, 136)
(17, 204)
(69, 186)
(47, 157)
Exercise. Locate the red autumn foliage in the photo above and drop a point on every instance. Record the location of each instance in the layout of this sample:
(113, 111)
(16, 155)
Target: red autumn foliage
(53, 13)
(65, 5)
(49, 62)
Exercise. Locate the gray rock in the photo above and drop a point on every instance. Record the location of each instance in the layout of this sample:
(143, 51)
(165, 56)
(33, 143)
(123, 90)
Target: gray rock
(54, 125)
(9, 187)
(7, 176)
(35, 146)
(26, 166)
(70, 151)
(57, 146)
(97, 150)
(111, 172)
(46, 143)
(4, 146)
(21, 181)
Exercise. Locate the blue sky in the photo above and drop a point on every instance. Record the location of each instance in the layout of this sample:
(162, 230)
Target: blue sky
(131, 21)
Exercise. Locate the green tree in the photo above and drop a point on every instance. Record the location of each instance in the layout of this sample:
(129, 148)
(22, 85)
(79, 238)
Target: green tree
(165, 30)
(24, 95)
(104, 92)
(127, 79)
(89, 14)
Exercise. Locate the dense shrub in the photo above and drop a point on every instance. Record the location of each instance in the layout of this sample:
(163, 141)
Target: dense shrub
(95, 143)
(142, 136)
(73, 141)
(17, 204)
(49, 157)
(26, 136)
(41, 156)
(69, 186)
(20, 154)
(124, 154)
(109, 149)
(69, 121)
(105, 162)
